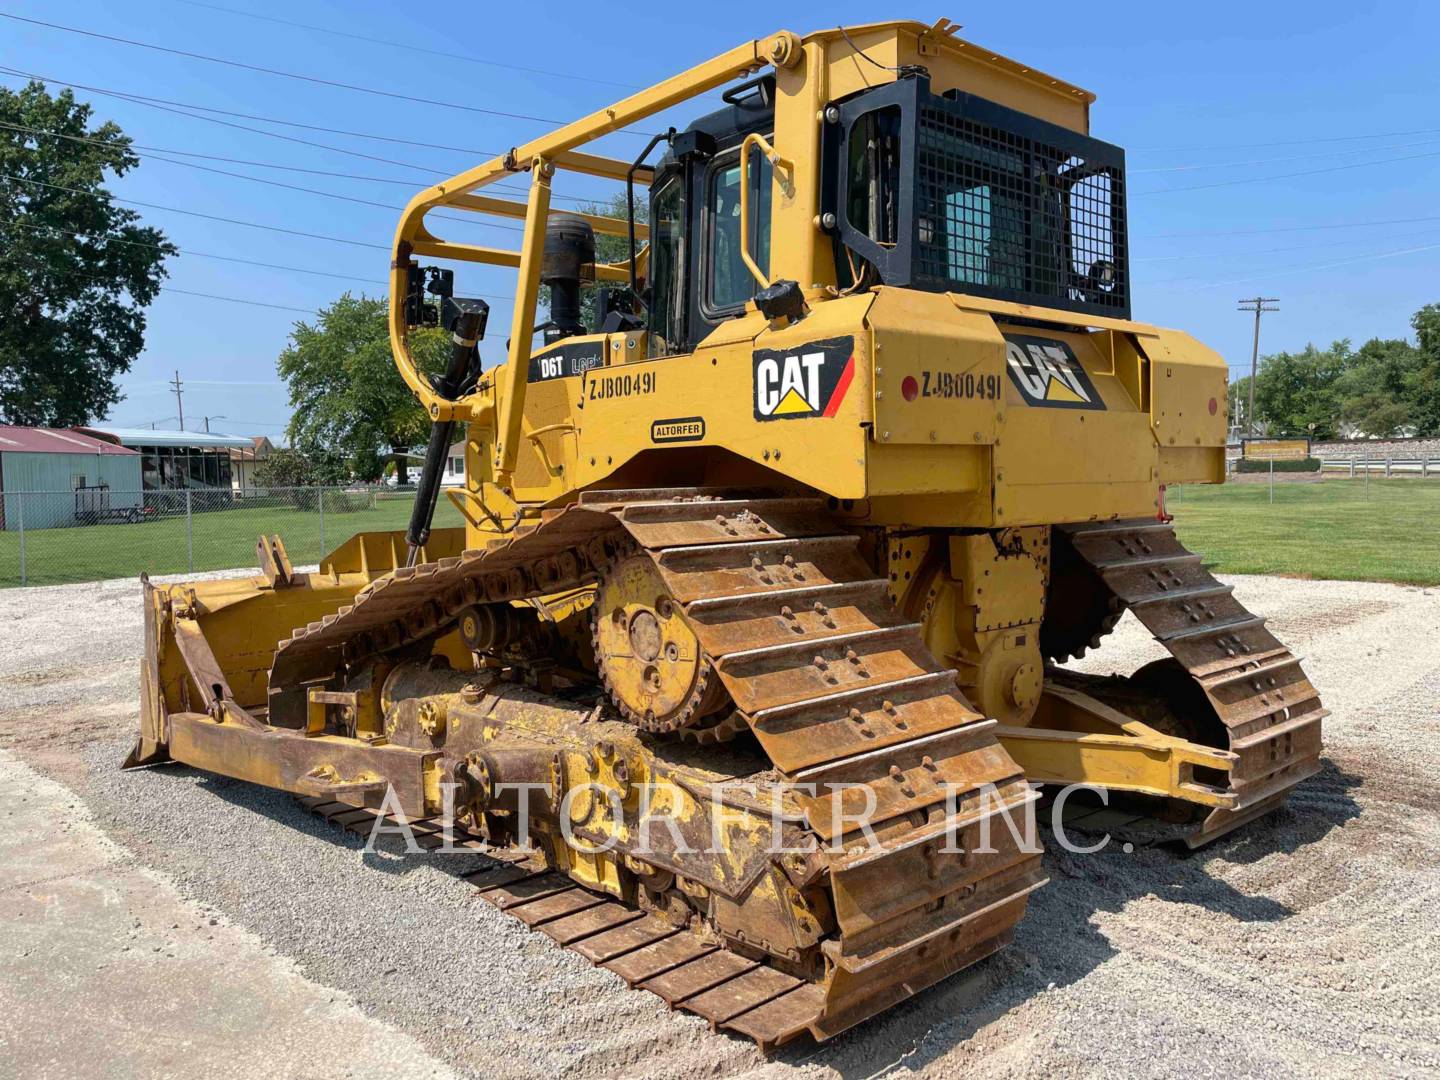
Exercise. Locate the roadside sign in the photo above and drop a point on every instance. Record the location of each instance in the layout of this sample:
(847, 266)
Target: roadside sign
(1275, 449)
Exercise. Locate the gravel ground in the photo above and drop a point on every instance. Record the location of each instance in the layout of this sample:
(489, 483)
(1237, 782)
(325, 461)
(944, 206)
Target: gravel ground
(101, 945)
(1303, 945)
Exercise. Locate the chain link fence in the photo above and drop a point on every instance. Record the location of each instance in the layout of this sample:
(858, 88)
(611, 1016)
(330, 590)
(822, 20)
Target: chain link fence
(98, 533)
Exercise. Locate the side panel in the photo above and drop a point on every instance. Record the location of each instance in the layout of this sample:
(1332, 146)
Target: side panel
(1188, 391)
(1073, 445)
(939, 372)
(545, 461)
(794, 401)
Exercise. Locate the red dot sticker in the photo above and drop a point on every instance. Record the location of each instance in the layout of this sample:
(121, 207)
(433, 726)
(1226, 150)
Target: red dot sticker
(1214, 406)
(910, 389)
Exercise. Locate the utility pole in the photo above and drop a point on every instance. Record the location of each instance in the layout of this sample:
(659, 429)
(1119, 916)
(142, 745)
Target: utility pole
(1256, 304)
(1237, 404)
(179, 401)
(207, 422)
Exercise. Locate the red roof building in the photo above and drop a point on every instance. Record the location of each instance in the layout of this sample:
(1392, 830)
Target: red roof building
(39, 440)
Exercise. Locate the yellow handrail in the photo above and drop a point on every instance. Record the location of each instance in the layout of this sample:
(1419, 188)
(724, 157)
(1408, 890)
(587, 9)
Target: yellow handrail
(555, 149)
(777, 163)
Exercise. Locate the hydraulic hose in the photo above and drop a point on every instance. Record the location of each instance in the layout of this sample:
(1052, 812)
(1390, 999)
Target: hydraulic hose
(464, 336)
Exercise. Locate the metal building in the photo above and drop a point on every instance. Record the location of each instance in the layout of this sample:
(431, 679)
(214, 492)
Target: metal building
(76, 473)
(177, 459)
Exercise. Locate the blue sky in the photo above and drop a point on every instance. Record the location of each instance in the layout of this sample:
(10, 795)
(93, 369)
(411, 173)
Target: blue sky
(1218, 106)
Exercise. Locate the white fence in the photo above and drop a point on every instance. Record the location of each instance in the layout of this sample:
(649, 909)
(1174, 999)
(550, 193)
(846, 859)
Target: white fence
(1424, 468)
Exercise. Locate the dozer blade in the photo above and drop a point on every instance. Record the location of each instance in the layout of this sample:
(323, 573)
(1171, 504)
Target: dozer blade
(235, 622)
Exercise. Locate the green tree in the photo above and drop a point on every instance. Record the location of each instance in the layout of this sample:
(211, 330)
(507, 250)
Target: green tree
(347, 395)
(1424, 382)
(76, 271)
(288, 467)
(1295, 390)
(295, 473)
(1374, 392)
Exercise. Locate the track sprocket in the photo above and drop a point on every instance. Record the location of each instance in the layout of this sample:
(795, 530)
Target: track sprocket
(649, 659)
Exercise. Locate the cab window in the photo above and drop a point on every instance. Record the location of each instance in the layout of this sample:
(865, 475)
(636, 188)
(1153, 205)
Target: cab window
(729, 283)
(667, 259)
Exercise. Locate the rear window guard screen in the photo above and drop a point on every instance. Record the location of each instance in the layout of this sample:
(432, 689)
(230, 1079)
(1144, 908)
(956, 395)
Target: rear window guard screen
(957, 193)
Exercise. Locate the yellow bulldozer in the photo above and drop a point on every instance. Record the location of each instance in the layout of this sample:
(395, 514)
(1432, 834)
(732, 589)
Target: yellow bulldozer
(778, 527)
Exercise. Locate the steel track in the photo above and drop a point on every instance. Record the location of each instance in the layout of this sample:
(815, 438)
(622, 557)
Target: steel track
(841, 694)
(1270, 712)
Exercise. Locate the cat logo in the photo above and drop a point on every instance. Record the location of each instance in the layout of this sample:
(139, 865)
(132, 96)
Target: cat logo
(1046, 373)
(811, 380)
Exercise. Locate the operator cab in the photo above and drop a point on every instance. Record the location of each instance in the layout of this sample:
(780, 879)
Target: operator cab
(697, 277)
(943, 192)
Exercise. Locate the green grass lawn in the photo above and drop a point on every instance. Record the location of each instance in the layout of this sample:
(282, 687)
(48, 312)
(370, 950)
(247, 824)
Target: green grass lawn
(222, 539)
(1324, 530)
(1319, 530)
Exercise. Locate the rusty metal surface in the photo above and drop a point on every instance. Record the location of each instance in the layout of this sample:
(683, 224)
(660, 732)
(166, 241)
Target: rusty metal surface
(1259, 693)
(844, 695)
(274, 562)
(841, 693)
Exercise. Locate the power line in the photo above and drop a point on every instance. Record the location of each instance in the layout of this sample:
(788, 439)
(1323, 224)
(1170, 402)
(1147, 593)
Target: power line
(1276, 161)
(411, 48)
(276, 183)
(191, 253)
(198, 214)
(152, 386)
(1312, 268)
(134, 146)
(315, 79)
(189, 292)
(138, 423)
(237, 300)
(1302, 268)
(163, 104)
(153, 156)
(1273, 251)
(1286, 176)
(472, 220)
(1280, 142)
(1291, 228)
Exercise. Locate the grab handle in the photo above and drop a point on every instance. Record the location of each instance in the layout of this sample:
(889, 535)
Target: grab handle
(777, 163)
